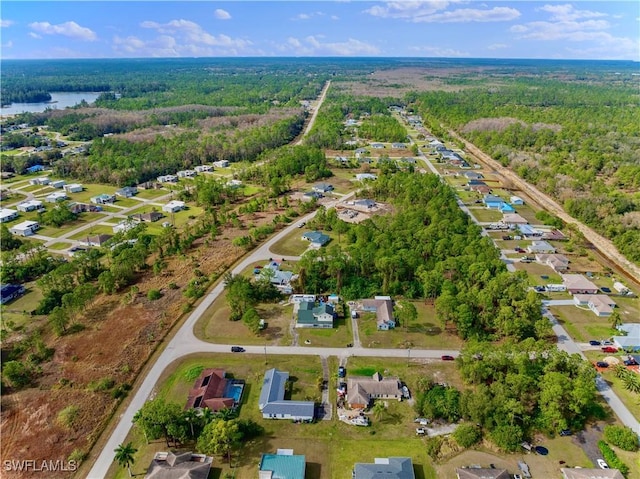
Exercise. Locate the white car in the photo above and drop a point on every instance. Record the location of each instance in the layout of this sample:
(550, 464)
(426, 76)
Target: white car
(602, 464)
(420, 431)
(301, 224)
(517, 476)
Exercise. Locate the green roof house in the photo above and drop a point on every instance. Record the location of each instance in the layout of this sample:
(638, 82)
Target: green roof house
(316, 238)
(312, 316)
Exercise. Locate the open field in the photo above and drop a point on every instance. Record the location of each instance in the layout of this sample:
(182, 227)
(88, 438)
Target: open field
(292, 244)
(485, 215)
(585, 325)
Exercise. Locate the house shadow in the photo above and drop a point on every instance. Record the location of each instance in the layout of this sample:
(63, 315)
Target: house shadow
(418, 471)
(313, 470)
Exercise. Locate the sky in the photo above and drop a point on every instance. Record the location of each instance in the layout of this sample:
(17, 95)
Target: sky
(605, 30)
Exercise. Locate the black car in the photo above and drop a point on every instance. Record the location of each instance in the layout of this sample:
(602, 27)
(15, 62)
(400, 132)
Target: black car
(237, 349)
(602, 364)
(605, 290)
(566, 432)
(593, 342)
(342, 372)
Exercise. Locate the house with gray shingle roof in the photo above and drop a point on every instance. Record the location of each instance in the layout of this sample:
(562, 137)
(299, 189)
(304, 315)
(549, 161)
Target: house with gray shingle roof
(385, 467)
(179, 465)
(585, 473)
(273, 405)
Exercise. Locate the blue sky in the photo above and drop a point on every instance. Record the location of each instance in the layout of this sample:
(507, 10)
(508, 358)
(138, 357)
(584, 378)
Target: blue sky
(405, 28)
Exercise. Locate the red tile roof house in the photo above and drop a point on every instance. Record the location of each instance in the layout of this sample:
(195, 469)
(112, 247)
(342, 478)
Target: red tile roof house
(578, 284)
(208, 391)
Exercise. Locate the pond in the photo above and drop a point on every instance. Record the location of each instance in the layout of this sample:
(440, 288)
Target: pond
(59, 101)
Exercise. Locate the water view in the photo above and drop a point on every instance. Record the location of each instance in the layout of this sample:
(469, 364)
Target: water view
(59, 101)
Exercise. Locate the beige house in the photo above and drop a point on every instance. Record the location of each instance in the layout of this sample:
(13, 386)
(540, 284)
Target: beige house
(600, 304)
(578, 284)
(361, 390)
(481, 473)
(558, 262)
(583, 473)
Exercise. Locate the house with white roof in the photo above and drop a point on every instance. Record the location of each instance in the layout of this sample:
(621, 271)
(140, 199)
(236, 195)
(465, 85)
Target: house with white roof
(173, 206)
(73, 188)
(56, 196)
(516, 200)
(221, 163)
(43, 180)
(57, 183)
(167, 179)
(366, 176)
(7, 214)
(124, 226)
(202, 168)
(540, 247)
(30, 205)
(187, 173)
(26, 228)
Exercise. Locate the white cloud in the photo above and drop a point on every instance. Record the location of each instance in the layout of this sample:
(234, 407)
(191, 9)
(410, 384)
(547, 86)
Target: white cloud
(497, 46)
(436, 11)
(335, 17)
(407, 9)
(466, 15)
(439, 52)
(307, 16)
(559, 30)
(313, 45)
(6, 23)
(35, 35)
(9, 44)
(67, 29)
(221, 14)
(567, 12)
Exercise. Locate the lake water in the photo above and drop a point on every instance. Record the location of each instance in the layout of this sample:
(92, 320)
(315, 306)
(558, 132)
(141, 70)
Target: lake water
(60, 101)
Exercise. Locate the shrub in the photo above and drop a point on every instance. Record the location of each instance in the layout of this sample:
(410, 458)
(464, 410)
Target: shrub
(466, 435)
(622, 437)
(507, 437)
(433, 446)
(612, 459)
(77, 456)
(103, 384)
(16, 374)
(193, 372)
(68, 416)
(154, 294)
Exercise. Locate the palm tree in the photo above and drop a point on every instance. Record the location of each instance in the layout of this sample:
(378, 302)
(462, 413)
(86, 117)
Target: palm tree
(379, 410)
(124, 455)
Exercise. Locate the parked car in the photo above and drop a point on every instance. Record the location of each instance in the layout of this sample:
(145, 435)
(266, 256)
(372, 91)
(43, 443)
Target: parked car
(519, 250)
(605, 290)
(237, 349)
(420, 431)
(301, 224)
(566, 432)
(539, 289)
(342, 372)
(609, 349)
(631, 361)
(593, 342)
(602, 364)
(423, 421)
(602, 464)
(446, 357)
(606, 342)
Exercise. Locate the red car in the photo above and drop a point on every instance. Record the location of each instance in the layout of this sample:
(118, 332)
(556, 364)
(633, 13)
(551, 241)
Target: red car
(609, 349)
(447, 358)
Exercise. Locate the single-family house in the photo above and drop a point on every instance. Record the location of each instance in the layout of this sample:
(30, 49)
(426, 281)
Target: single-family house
(26, 228)
(529, 231)
(57, 183)
(96, 240)
(492, 202)
(513, 219)
(578, 284)
(366, 176)
(44, 180)
(600, 304)
(30, 205)
(481, 473)
(187, 174)
(7, 214)
(343, 160)
(311, 316)
(377, 146)
(554, 235)
(310, 195)
(590, 473)
(366, 204)
(360, 151)
(203, 168)
(127, 192)
(272, 403)
(473, 175)
(630, 341)
(167, 179)
(383, 307)
(179, 465)
(149, 185)
(56, 196)
(398, 146)
(384, 467)
(78, 208)
(516, 200)
(540, 247)
(234, 183)
(103, 199)
(284, 464)
(558, 262)
(173, 206)
(35, 169)
(124, 226)
(322, 187)
(276, 276)
(362, 390)
(507, 208)
(316, 238)
(215, 391)
(9, 292)
(150, 217)
(483, 189)
(350, 122)
(221, 163)
(73, 188)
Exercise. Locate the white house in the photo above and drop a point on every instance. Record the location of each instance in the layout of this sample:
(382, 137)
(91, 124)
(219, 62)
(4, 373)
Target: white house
(26, 228)
(30, 205)
(221, 163)
(186, 173)
(516, 200)
(44, 180)
(631, 341)
(57, 183)
(124, 225)
(173, 206)
(56, 196)
(366, 176)
(202, 168)
(103, 199)
(168, 179)
(73, 188)
(7, 214)
(600, 304)
(540, 247)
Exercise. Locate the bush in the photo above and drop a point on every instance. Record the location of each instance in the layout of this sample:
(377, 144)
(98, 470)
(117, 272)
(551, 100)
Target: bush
(507, 437)
(77, 456)
(154, 294)
(103, 384)
(16, 374)
(612, 459)
(68, 416)
(433, 446)
(466, 435)
(622, 437)
(193, 372)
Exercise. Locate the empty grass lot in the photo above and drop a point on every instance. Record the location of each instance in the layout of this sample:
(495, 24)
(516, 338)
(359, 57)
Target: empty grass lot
(582, 324)
(485, 215)
(292, 244)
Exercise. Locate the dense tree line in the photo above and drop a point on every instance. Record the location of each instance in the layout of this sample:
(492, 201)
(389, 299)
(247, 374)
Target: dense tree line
(427, 249)
(577, 142)
(24, 94)
(382, 128)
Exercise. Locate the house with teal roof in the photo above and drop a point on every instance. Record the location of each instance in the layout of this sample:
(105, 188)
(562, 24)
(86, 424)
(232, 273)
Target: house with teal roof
(284, 464)
(316, 238)
(311, 316)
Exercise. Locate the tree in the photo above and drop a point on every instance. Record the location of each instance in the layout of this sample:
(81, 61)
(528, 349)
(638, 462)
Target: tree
(16, 373)
(467, 435)
(158, 418)
(406, 312)
(220, 437)
(239, 295)
(124, 456)
(379, 410)
(622, 437)
(615, 320)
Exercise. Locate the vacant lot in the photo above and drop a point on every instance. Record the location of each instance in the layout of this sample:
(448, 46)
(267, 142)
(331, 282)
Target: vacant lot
(583, 325)
(292, 244)
(485, 215)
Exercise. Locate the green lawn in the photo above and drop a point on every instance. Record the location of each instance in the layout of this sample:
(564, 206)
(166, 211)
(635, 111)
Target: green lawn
(337, 337)
(291, 245)
(151, 194)
(17, 313)
(582, 324)
(94, 230)
(486, 215)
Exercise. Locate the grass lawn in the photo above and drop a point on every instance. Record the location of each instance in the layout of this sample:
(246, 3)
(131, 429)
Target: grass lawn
(584, 325)
(151, 194)
(215, 327)
(629, 308)
(425, 332)
(59, 246)
(527, 213)
(82, 220)
(147, 208)
(486, 215)
(337, 337)
(18, 312)
(94, 230)
(537, 270)
(291, 245)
